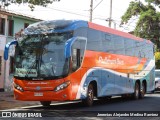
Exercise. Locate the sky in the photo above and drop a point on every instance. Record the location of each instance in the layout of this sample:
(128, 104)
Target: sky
(79, 9)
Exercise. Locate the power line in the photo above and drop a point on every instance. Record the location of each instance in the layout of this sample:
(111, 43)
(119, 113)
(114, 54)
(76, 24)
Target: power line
(91, 9)
(67, 12)
(97, 4)
(128, 25)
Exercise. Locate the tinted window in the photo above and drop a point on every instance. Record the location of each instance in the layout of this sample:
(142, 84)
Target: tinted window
(78, 49)
(118, 44)
(129, 47)
(94, 40)
(157, 73)
(42, 56)
(149, 49)
(107, 43)
(81, 32)
(138, 49)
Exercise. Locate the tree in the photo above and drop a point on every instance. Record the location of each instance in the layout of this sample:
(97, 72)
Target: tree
(156, 2)
(31, 3)
(148, 24)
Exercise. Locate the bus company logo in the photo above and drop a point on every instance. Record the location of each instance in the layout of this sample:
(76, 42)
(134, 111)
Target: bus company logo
(37, 83)
(6, 114)
(38, 88)
(108, 60)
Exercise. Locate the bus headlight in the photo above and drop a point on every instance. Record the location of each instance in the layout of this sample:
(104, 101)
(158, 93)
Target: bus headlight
(16, 86)
(62, 86)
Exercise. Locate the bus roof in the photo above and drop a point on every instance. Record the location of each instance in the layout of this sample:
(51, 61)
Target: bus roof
(113, 31)
(67, 25)
(54, 26)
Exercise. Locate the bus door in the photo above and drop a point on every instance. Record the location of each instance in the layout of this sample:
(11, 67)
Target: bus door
(78, 48)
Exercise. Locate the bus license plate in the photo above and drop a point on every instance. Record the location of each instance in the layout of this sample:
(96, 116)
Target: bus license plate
(38, 94)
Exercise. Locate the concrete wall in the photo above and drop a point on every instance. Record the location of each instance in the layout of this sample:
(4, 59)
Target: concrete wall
(19, 23)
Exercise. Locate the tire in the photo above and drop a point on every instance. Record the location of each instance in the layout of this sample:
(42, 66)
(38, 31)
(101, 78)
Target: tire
(136, 93)
(45, 103)
(90, 96)
(143, 90)
(153, 91)
(126, 96)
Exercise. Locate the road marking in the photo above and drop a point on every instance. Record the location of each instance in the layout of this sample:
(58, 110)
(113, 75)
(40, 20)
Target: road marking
(33, 106)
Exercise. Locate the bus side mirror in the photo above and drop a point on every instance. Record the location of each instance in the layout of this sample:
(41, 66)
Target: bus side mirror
(6, 50)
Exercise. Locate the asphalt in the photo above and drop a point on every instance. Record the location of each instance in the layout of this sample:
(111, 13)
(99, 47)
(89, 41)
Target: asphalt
(7, 101)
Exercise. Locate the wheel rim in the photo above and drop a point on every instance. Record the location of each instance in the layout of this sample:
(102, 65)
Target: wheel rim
(143, 90)
(90, 95)
(137, 91)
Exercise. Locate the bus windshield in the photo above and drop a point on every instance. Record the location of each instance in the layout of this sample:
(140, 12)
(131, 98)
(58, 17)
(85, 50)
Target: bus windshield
(41, 56)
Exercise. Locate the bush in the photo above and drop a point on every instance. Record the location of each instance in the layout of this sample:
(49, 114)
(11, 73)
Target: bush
(157, 60)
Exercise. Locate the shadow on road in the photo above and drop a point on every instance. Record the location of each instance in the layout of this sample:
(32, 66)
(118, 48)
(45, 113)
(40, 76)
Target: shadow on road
(78, 105)
(115, 104)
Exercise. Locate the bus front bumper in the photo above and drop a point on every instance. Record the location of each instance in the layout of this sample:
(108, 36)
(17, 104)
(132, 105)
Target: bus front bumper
(42, 95)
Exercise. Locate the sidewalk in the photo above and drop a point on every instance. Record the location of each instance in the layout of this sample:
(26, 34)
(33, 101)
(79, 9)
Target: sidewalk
(7, 101)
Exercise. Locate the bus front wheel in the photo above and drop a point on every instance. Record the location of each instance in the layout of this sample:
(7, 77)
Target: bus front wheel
(90, 96)
(45, 103)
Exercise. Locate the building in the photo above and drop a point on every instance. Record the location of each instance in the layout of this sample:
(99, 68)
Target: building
(10, 24)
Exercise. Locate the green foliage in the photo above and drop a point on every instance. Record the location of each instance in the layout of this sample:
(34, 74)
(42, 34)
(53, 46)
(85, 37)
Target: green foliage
(157, 59)
(148, 24)
(32, 3)
(156, 2)
(134, 9)
(157, 56)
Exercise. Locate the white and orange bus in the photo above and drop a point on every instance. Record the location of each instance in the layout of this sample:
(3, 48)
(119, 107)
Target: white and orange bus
(65, 60)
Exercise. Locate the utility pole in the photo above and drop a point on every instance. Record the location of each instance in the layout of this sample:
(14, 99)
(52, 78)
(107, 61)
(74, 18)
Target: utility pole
(110, 16)
(91, 11)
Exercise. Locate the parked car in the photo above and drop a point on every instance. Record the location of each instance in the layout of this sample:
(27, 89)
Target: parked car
(157, 79)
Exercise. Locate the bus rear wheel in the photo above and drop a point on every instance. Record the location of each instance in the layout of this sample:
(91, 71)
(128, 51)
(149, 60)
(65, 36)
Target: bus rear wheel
(143, 90)
(136, 93)
(45, 103)
(90, 96)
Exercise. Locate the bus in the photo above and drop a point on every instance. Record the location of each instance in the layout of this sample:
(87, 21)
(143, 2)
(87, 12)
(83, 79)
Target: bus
(67, 60)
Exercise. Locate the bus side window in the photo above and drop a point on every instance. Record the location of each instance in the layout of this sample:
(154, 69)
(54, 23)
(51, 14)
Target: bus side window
(76, 61)
(77, 55)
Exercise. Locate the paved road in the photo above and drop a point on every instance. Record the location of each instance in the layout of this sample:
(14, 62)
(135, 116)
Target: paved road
(118, 106)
